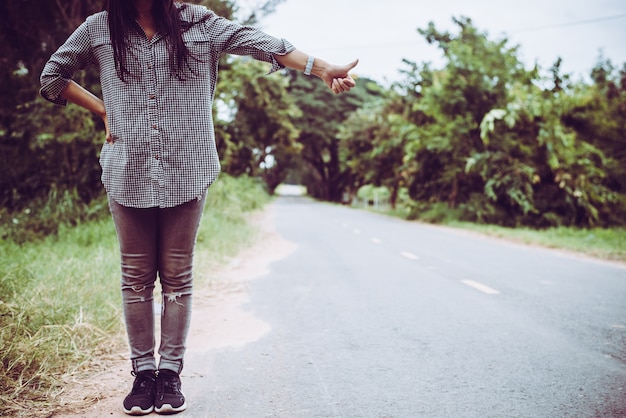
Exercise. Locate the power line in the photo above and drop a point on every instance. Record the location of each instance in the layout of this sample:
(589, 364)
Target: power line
(527, 30)
(569, 24)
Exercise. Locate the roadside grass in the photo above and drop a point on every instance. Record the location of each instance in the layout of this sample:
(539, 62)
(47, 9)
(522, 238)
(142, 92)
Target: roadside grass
(60, 303)
(603, 243)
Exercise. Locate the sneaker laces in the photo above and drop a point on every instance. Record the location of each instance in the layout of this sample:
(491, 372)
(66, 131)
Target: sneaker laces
(168, 383)
(144, 382)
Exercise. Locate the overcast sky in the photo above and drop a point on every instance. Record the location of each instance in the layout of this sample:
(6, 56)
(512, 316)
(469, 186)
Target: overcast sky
(383, 32)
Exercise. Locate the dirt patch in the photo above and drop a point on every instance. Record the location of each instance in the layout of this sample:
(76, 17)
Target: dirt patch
(218, 321)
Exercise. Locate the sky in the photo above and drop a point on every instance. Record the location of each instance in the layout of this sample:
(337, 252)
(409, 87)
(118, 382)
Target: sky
(381, 33)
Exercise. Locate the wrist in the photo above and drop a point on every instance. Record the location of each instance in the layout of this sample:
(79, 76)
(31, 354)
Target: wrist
(308, 67)
(319, 68)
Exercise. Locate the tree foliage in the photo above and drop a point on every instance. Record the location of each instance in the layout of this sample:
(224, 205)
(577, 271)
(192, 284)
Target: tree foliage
(481, 135)
(322, 113)
(373, 145)
(41, 149)
(496, 142)
(257, 134)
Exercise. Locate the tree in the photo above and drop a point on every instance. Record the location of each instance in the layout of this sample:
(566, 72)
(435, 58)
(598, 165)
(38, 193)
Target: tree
(496, 145)
(258, 136)
(37, 153)
(453, 102)
(373, 144)
(599, 118)
(319, 124)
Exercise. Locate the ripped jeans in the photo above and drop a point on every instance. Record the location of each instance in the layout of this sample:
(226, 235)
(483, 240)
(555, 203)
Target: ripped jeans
(157, 241)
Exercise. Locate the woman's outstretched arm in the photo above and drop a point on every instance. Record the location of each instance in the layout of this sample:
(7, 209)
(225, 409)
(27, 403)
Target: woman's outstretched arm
(336, 77)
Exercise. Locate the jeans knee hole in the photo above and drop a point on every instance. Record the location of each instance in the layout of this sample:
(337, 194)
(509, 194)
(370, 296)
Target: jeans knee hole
(173, 298)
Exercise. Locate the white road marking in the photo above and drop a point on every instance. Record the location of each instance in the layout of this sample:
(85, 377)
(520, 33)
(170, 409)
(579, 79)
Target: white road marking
(482, 287)
(408, 255)
(356, 231)
(375, 240)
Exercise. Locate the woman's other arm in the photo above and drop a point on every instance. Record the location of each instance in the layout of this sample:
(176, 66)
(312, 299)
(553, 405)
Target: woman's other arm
(77, 94)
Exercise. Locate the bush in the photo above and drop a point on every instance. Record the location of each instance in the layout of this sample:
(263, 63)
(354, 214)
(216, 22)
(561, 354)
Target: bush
(44, 217)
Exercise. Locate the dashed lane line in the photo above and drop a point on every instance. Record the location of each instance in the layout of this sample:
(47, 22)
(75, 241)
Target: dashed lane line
(409, 255)
(481, 287)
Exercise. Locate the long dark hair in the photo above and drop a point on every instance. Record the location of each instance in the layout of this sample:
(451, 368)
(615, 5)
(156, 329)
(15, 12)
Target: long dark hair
(122, 15)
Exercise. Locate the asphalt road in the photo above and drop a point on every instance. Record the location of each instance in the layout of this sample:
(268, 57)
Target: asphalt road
(372, 316)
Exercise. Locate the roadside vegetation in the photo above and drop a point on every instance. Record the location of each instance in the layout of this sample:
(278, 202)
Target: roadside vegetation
(60, 304)
(479, 142)
(602, 243)
(480, 133)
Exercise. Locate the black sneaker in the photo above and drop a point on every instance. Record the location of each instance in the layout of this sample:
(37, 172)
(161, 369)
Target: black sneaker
(169, 399)
(140, 400)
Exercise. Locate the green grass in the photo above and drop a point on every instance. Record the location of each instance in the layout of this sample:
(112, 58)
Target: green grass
(604, 243)
(57, 303)
(60, 303)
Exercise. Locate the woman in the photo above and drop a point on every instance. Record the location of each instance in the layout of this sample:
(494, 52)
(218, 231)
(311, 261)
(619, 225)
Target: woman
(158, 63)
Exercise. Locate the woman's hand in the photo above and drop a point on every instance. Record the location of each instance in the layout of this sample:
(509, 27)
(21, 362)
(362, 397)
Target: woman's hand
(107, 132)
(337, 77)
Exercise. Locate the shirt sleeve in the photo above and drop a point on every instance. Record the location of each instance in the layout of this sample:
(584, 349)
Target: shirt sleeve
(233, 38)
(74, 55)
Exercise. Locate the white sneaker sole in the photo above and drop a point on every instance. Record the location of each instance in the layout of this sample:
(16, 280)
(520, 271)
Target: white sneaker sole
(169, 409)
(136, 410)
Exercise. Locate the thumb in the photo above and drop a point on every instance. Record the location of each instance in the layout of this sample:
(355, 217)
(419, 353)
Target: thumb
(346, 68)
(353, 64)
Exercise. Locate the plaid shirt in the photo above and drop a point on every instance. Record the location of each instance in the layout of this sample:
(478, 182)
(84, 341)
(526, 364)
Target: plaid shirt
(164, 151)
